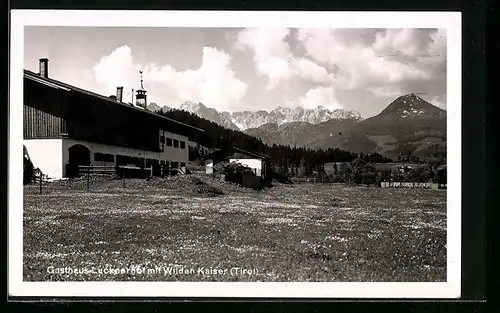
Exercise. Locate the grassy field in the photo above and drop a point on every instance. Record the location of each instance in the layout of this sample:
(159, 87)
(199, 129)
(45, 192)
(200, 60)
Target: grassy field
(176, 229)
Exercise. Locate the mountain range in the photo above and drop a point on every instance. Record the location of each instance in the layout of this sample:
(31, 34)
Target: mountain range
(409, 124)
(244, 120)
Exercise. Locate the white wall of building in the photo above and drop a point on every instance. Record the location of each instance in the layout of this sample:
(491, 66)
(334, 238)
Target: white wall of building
(47, 155)
(175, 154)
(252, 163)
(170, 154)
(52, 155)
(209, 164)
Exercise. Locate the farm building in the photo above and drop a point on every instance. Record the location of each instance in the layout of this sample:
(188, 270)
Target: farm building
(66, 126)
(233, 154)
(405, 168)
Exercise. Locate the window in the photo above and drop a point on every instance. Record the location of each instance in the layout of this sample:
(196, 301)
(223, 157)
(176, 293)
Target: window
(102, 157)
(169, 142)
(183, 145)
(151, 162)
(162, 140)
(176, 143)
(183, 164)
(121, 160)
(162, 143)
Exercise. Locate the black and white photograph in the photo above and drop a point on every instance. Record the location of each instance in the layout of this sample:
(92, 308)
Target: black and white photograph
(174, 158)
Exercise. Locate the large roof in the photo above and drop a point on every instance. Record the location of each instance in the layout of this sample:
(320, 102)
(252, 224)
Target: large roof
(60, 85)
(232, 149)
(256, 154)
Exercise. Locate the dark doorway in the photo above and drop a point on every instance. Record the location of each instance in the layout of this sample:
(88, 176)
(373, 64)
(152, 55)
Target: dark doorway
(78, 155)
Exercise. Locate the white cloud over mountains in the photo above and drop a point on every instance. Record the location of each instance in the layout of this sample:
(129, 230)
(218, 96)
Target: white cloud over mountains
(213, 83)
(326, 62)
(273, 57)
(320, 96)
(387, 64)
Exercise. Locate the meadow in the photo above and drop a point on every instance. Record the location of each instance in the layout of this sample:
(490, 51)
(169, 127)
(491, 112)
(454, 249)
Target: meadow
(190, 228)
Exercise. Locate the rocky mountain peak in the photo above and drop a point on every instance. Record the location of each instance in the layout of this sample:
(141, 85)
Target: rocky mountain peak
(411, 105)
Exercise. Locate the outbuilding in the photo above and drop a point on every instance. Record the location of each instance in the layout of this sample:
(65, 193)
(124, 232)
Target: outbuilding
(233, 154)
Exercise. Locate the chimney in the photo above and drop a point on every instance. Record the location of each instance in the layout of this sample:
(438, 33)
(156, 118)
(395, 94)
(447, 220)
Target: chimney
(44, 67)
(119, 94)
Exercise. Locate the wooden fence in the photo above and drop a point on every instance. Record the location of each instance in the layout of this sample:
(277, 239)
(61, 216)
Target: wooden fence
(39, 178)
(93, 169)
(121, 170)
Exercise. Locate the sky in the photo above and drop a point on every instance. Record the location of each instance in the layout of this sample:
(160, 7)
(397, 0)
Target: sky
(237, 69)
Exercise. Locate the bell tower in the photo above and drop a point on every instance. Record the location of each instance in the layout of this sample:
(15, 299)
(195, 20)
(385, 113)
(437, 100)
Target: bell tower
(140, 97)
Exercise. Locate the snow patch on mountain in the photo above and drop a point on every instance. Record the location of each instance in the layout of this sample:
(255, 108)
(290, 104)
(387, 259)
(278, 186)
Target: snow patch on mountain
(243, 120)
(411, 105)
(208, 113)
(282, 115)
(154, 107)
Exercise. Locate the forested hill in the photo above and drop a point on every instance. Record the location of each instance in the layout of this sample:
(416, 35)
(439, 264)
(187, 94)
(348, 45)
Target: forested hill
(214, 135)
(284, 157)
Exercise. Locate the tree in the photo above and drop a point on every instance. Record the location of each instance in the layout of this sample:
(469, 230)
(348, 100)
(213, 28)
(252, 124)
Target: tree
(356, 170)
(193, 153)
(28, 171)
(441, 176)
(302, 167)
(382, 176)
(362, 172)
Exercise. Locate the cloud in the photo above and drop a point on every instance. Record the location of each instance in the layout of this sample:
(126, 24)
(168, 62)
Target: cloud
(311, 66)
(273, 57)
(271, 53)
(386, 91)
(387, 64)
(308, 70)
(117, 69)
(407, 43)
(213, 83)
(437, 102)
(320, 96)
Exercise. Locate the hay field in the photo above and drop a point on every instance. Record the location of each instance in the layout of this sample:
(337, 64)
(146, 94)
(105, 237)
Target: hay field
(182, 228)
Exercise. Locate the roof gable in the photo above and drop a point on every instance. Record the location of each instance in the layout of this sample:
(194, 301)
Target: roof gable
(60, 85)
(239, 155)
(232, 152)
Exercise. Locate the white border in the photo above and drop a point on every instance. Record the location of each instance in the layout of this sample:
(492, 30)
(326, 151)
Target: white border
(449, 20)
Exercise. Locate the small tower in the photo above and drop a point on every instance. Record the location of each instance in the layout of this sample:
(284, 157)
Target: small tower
(140, 97)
